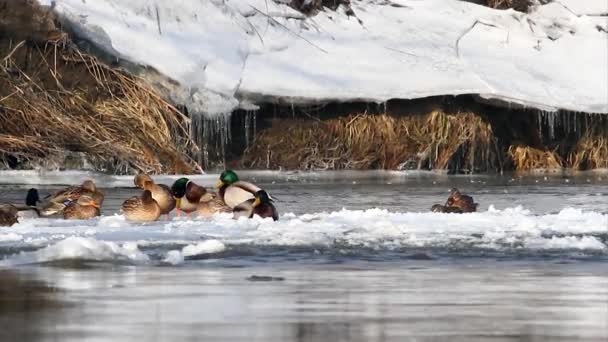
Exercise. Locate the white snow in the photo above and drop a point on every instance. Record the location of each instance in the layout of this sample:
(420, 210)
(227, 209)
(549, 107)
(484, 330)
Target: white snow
(113, 238)
(206, 247)
(224, 53)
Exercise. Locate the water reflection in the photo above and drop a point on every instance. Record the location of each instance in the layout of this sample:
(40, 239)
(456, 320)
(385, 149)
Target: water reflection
(26, 307)
(365, 302)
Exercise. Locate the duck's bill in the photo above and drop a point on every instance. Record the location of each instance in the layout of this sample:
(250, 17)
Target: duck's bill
(219, 184)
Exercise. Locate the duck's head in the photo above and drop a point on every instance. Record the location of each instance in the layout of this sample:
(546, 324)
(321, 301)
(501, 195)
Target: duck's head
(261, 197)
(86, 200)
(178, 189)
(227, 177)
(89, 185)
(141, 179)
(454, 193)
(32, 197)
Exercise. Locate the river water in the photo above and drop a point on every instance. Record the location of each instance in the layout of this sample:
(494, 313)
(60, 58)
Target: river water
(356, 256)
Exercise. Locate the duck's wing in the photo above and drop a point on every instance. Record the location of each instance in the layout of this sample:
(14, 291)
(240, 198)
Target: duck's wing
(244, 209)
(52, 208)
(239, 192)
(194, 192)
(71, 193)
(132, 204)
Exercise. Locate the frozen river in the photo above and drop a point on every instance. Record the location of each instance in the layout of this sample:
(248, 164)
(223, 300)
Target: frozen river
(354, 257)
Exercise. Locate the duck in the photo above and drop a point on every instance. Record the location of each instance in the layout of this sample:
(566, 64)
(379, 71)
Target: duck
(234, 191)
(8, 215)
(84, 208)
(160, 193)
(438, 208)
(209, 208)
(59, 200)
(464, 202)
(30, 209)
(141, 208)
(260, 205)
(191, 197)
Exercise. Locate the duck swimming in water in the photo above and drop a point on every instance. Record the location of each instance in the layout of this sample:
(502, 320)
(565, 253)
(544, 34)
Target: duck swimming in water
(260, 205)
(141, 208)
(160, 193)
(84, 208)
(463, 202)
(234, 191)
(59, 200)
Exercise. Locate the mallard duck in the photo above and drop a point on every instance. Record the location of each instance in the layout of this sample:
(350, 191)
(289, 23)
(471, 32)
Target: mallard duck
(189, 195)
(141, 208)
(160, 192)
(84, 208)
(438, 208)
(8, 215)
(59, 200)
(30, 209)
(215, 205)
(234, 191)
(464, 202)
(260, 205)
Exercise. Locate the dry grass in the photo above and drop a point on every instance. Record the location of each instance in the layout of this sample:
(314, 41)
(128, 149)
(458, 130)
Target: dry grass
(436, 140)
(591, 152)
(518, 5)
(55, 99)
(526, 158)
(313, 6)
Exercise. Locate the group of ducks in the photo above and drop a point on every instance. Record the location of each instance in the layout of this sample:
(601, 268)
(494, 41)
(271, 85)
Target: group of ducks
(84, 201)
(241, 198)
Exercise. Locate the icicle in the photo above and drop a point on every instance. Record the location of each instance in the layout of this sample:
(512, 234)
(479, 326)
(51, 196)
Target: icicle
(247, 121)
(211, 135)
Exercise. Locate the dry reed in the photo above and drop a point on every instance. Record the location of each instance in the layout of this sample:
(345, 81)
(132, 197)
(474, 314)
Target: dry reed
(464, 141)
(68, 101)
(526, 158)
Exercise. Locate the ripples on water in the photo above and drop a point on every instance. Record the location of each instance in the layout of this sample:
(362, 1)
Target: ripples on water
(529, 266)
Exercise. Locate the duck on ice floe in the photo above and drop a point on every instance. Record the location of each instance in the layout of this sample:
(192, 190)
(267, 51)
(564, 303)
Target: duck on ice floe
(195, 199)
(456, 203)
(160, 193)
(260, 205)
(62, 198)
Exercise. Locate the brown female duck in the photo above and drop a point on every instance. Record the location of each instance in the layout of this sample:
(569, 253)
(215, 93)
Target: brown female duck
(160, 193)
(84, 208)
(8, 215)
(463, 202)
(141, 208)
(59, 200)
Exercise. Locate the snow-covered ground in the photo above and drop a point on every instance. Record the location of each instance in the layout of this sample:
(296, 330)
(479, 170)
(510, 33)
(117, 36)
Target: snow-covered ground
(235, 53)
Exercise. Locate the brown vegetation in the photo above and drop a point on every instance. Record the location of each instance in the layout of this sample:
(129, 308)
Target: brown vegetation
(526, 158)
(591, 152)
(55, 99)
(518, 5)
(462, 141)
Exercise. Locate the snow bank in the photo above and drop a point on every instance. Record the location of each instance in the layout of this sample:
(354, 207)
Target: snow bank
(232, 53)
